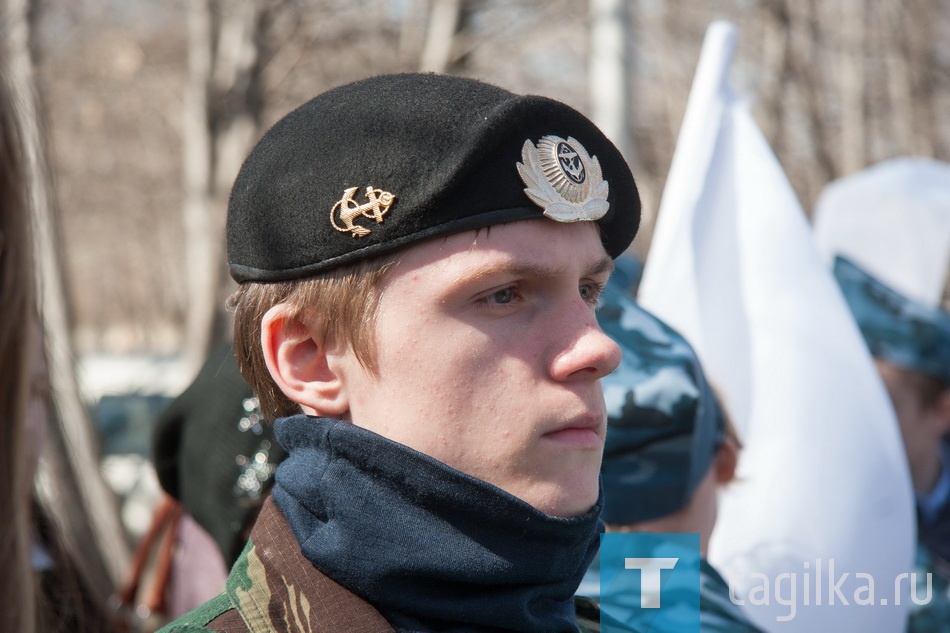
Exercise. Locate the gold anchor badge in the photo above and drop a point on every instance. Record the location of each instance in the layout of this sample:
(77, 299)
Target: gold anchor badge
(349, 210)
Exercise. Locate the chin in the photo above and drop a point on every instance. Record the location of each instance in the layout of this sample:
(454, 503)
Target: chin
(570, 501)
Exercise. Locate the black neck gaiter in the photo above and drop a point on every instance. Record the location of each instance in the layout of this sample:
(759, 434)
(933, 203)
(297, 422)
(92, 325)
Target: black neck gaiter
(431, 548)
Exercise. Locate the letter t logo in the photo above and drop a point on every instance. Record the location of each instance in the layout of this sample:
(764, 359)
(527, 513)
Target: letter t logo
(650, 578)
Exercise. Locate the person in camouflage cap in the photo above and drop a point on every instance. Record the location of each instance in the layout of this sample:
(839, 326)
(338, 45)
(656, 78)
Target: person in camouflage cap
(420, 257)
(885, 232)
(667, 449)
(910, 342)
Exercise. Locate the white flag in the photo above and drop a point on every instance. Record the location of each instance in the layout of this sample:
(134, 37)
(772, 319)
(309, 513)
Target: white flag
(817, 530)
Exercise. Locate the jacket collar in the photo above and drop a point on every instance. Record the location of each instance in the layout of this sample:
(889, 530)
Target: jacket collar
(275, 588)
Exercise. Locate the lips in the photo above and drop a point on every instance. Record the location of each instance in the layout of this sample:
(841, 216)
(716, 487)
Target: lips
(586, 432)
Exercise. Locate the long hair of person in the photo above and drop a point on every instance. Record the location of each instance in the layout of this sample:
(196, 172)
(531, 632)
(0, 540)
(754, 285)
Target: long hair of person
(16, 296)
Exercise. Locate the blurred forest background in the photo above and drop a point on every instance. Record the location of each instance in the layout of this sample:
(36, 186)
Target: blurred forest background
(139, 113)
(150, 105)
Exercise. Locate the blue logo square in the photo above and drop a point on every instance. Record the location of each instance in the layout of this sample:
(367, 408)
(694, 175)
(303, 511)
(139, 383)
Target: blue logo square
(649, 583)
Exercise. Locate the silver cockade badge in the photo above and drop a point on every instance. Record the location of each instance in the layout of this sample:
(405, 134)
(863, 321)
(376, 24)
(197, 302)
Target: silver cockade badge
(563, 179)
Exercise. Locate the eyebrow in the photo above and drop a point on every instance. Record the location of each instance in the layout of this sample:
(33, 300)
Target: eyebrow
(599, 267)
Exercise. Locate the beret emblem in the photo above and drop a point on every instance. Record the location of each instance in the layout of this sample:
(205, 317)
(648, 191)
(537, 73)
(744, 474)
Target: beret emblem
(347, 210)
(563, 179)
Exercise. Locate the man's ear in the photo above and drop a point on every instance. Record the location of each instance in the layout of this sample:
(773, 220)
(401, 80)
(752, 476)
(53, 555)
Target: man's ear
(296, 357)
(942, 409)
(726, 461)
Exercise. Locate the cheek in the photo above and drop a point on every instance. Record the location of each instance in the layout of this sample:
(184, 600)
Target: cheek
(497, 369)
(908, 414)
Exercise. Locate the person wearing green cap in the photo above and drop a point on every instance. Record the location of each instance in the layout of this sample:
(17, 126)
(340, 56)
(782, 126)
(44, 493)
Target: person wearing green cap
(668, 448)
(419, 259)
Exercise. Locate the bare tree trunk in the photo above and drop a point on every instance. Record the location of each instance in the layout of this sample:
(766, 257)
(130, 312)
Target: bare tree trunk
(609, 76)
(933, 125)
(221, 119)
(203, 249)
(851, 82)
(898, 75)
(75, 492)
(774, 38)
(806, 42)
(444, 20)
(674, 99)
(918, 49)
(412, 31)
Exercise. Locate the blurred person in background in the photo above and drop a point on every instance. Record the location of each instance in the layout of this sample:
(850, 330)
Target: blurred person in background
(910, 343)
(669, 447)
(44, 585)
(886, 233)
(221, 485)
(215, 457)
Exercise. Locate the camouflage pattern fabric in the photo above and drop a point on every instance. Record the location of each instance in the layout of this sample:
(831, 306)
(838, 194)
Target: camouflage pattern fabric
(664, 425)
(934, 615)
(273, 588)
(933, 532)
(590, 619)
(717, 612)
(897, 329)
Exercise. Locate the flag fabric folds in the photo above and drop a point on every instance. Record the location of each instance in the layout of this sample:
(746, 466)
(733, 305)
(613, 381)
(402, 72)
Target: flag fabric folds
(819, 527)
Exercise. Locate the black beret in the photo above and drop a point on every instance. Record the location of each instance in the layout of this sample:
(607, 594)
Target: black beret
(374, 166)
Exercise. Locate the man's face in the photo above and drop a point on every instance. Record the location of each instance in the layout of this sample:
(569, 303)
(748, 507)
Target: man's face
(489, 359)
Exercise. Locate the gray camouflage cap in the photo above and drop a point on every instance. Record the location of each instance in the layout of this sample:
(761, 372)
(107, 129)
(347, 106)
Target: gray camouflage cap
(664, 425)
(907, 333)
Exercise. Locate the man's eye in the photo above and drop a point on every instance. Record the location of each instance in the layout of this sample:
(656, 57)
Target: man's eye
(502, 296)
(590, 292)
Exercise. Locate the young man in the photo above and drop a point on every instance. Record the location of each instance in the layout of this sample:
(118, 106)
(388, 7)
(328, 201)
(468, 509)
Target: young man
(420, 257)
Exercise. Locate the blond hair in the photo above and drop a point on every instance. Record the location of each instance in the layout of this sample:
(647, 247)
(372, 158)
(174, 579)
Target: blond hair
(342, 302)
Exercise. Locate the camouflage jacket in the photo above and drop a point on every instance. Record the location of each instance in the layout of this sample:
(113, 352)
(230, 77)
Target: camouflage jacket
(273, 588)
(930, 594)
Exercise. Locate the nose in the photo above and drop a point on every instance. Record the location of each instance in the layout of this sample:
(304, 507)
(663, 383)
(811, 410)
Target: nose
(589, 355)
